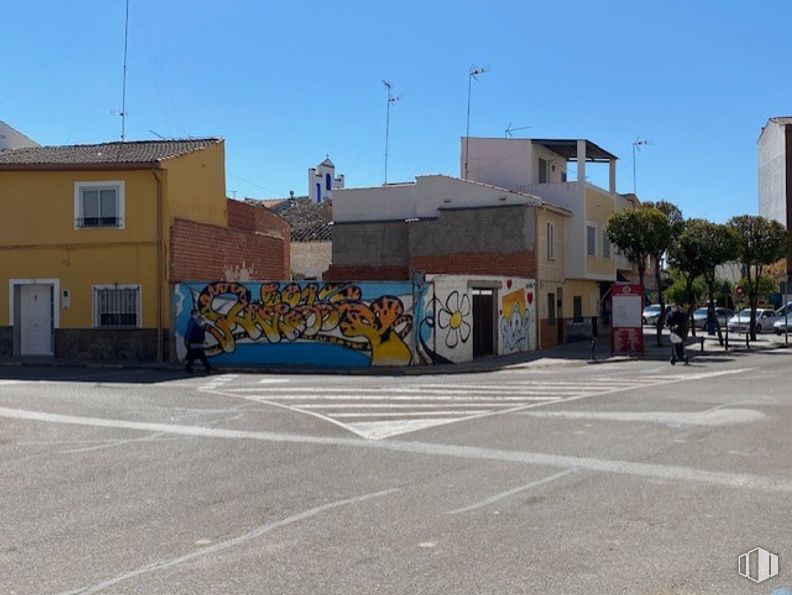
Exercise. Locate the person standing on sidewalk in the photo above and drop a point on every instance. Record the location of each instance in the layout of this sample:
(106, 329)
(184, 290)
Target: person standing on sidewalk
(195, 339)
(677, 324)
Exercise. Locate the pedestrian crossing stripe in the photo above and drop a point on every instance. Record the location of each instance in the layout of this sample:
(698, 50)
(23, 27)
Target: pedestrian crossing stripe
(377, 412)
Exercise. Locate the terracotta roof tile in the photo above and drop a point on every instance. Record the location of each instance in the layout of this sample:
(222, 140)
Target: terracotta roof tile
(134, 152)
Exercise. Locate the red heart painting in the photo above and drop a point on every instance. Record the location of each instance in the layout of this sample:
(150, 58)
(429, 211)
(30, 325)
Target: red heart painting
(529, 296)
(508, 283)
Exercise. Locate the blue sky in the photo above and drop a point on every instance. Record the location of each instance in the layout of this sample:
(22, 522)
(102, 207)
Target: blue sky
(287, 82)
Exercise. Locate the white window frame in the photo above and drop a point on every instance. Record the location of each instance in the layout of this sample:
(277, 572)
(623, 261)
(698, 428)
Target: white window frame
(595, 226)
(550, 241)
(606, 243)
(120, 188)
(95, 313)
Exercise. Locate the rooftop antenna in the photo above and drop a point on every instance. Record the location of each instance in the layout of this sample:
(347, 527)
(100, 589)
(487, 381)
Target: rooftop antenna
(473, 73)
(509, 130)
(123, 84)
(390, 101)
(636, 146)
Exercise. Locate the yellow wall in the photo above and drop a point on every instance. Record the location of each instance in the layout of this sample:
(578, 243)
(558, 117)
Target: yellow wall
(195, 186)
(588, 291)
(599, 206)
(550, 270)
(38, 238)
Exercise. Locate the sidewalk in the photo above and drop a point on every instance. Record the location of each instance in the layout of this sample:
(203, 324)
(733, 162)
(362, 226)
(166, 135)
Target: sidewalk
(580, 353)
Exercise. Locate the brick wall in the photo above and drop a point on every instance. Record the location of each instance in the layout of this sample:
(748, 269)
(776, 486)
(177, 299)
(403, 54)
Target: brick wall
(510, 264)
(200, 251)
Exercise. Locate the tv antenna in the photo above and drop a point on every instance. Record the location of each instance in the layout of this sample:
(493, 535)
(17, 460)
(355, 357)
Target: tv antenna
(509, 130)
(473, 73)
(636, 146)
(390, 101)
(123, 84)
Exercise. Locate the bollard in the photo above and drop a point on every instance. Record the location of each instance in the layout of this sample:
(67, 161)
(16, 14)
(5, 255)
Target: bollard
(593, 345)
(747, 337)
(702, 344)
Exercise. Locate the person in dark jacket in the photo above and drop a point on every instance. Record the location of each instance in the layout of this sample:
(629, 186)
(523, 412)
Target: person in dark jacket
(195, 339)
(677, 324)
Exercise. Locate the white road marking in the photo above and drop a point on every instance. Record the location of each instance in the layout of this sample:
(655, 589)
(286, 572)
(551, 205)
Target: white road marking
(387, 397)
(224, 545)
(710, 417)
(507, 493)
(405, 414)
(377, 430)
(418, 390)
(5, 382)
(466, 403)
(274, 380)
(670, 472)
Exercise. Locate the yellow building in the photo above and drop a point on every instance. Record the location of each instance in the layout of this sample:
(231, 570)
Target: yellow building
(93, 236)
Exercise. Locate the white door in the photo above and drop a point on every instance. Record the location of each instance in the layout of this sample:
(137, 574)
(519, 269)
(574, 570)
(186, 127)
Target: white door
(35, 309)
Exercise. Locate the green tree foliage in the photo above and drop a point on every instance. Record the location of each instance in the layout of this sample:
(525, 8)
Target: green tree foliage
(644, 234)
(760, 243)
(697, 249)
(663, 236)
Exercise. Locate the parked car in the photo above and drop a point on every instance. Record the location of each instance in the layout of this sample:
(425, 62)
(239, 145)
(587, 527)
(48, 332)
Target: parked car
(765, 319)
(652, 313)
(700, 317)
(784, 319)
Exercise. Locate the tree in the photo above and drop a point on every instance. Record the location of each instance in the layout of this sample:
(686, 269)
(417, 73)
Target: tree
(662, 237)
(698, 249)
(644, 234)
(760, 243)
(690, 255)
(629, 231)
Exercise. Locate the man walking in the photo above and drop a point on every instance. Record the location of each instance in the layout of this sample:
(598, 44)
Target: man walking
(195, 339)
(677, 324)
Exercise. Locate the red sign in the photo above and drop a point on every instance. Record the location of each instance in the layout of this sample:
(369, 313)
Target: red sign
(627, 318)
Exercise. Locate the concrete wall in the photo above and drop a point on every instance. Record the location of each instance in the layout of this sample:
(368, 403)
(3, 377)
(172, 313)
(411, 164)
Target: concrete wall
(310, 260)
(379, 243)
(488, 241)
(772, 172)
(423, 199)
(510, 163)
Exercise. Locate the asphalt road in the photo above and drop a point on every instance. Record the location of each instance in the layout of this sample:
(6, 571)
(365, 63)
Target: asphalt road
(635, 477)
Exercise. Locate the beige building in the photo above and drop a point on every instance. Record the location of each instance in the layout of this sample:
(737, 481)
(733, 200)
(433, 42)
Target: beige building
(574, 285)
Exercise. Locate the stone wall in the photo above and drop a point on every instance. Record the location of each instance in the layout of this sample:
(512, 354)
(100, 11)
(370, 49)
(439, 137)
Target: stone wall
(6, 341)
(107, 344)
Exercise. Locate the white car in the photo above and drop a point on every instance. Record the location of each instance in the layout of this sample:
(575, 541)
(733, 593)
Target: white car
(652, 313)
(700, 317)
(765, 319)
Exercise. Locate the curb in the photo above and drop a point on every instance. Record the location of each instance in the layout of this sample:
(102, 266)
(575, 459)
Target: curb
(465, 368)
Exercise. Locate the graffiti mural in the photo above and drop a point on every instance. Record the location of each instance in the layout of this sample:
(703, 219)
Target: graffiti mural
(454, 318)
(355, 324)
(446, 325)
(514, 322)
(308, 323)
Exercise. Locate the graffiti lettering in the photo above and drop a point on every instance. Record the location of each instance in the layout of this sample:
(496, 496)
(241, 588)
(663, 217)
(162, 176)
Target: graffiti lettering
(290, 312)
